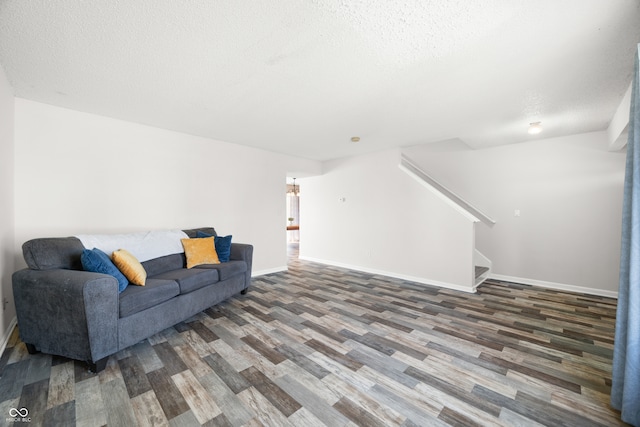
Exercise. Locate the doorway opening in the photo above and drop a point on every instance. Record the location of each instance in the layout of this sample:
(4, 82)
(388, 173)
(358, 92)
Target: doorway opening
(293, 218)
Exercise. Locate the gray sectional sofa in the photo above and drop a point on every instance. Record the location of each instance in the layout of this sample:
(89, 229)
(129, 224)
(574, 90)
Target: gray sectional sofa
(66, 311)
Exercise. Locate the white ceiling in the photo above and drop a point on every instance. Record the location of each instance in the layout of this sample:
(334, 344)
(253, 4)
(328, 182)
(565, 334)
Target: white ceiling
(303, 77)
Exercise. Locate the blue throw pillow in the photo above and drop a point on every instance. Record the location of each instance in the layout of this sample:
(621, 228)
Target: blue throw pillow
(223, 247)
(96, 261)
(222, 244)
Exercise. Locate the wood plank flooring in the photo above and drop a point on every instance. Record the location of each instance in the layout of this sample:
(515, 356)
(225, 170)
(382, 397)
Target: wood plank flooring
(325, 346)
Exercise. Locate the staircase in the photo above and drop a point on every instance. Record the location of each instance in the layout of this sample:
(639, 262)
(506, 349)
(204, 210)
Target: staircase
(449, 196)
(482, 266)
(480, 272)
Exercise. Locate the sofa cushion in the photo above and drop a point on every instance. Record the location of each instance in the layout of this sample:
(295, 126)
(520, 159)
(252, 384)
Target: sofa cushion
(226, 269)
(137, 298)
(96, 261)
(190, 279)
(200, 251)
(156, 266)
(129, 266)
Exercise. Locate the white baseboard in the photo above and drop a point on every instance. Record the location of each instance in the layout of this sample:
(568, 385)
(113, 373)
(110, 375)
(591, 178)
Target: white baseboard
(471, 289)
(421, 280)
(268, 271)
(555, 286)
(7, 334)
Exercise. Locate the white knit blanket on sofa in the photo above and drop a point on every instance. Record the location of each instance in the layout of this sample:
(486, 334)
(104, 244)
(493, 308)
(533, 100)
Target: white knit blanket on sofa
(144, 245)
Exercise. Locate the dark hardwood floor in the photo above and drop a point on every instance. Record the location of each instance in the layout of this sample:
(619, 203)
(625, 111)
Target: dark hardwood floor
(325, 346)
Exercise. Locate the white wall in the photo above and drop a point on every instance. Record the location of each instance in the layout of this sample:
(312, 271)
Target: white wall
(6, 208)
(569, 193)
(82, 173)
(388, 223)
(79, 173)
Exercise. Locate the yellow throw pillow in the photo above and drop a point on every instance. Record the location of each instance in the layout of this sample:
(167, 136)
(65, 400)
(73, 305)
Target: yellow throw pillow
(129, 266)
(200, 251)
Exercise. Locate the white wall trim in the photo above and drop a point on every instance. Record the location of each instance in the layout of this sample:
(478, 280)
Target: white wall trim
(269, 271)
(7, 334)
(421, 280)
(556, 286)
(617, 131)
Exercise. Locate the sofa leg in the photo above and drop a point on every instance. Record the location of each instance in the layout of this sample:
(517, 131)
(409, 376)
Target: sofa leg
(31, 348)
(244, 291)
(98, 366)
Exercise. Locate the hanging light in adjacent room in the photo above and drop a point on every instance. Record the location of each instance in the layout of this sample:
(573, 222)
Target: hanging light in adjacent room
(294, 191)
(535, 128)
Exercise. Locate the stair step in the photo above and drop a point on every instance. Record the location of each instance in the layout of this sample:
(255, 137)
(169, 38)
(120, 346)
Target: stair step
(480, 270)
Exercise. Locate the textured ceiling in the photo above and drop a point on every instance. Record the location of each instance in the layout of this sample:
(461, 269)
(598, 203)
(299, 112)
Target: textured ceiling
(303, 77)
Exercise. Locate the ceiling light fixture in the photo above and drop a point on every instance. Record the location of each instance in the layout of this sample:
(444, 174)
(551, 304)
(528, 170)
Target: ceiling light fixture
(535, 128)
(355, 138)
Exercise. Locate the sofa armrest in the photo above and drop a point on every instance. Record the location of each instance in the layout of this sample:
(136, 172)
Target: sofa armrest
(243, 252)
(69, 313)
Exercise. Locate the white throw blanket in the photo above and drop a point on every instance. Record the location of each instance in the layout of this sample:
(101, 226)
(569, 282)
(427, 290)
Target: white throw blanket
(144, 245)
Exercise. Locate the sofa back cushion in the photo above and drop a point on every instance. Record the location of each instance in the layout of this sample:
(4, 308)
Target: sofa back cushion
(53, 252)
(64, 252)
(209, 231)
(143, 245)
(160, 265)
